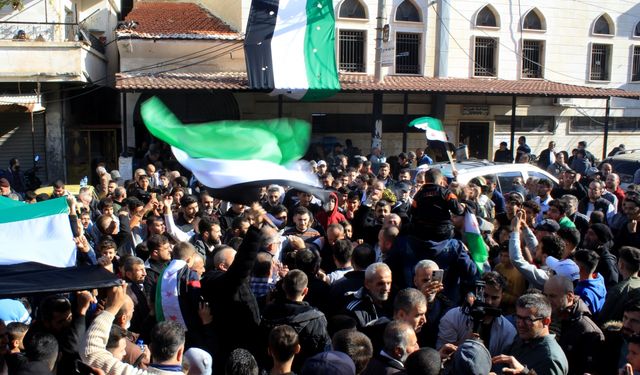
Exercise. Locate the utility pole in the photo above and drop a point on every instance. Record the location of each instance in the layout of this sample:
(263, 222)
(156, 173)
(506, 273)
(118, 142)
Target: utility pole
(379, 26)
(376, 133)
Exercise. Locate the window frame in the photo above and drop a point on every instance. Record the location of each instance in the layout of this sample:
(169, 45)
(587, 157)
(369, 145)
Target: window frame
(420, 52)
(364, 7)
(600, 128)
(495, 13)
(609, 21)
(543, 22)
(420, 16)
(636, 28)
(635, 63)
(498, 120)
(608, 62)
(541, 53)
(364, 49)
(496, 56)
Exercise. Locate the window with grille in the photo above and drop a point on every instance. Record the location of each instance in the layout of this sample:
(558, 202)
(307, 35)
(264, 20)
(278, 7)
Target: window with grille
(352, 9)
(635, 73)
(596, 124)
(532, 58)
(407, 53)
(351, 50)
(600, 62)
(486, 51)
(540, 124)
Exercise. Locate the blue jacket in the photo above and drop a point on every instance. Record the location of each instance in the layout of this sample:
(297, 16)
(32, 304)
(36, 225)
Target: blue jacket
(593, 292)
(450, 255)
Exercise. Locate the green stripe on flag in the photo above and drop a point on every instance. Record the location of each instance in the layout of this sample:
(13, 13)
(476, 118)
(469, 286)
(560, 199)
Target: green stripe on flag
(427, 122)
(475, 242)
(33, 211)
(477, 250)
(280, 141)
(8, 203)
(158, 304)
(319, 50)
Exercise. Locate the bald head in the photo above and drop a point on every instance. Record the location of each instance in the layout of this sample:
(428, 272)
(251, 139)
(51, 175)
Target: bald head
(559, 291)
(223, 259)
(123, 317)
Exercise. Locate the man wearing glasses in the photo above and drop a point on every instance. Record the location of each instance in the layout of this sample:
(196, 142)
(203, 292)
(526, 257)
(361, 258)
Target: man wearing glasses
(534, 348)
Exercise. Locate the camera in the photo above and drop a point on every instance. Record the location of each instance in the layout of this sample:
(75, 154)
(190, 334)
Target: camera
(478, 309)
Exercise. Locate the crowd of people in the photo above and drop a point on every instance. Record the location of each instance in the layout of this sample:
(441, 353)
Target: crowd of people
(375, 280)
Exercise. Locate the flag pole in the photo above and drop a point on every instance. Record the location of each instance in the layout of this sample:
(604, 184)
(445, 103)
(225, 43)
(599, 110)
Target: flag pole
(454, 171)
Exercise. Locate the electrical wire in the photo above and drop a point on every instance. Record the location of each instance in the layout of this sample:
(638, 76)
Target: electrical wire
(179, 59)
(151, 66)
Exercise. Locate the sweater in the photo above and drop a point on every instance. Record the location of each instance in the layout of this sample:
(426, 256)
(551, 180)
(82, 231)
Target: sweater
(93, 350)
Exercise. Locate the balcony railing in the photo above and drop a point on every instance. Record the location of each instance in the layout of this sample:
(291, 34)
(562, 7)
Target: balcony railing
(48, 32)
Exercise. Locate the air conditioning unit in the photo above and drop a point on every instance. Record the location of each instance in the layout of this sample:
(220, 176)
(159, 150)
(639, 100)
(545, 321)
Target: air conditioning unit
(563, 102)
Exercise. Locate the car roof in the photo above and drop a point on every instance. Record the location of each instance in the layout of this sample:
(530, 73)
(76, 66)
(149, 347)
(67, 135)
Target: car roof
(469, 169)
(628, 155)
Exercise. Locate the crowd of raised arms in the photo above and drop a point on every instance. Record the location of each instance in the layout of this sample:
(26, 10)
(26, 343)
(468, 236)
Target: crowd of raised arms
(382, 277)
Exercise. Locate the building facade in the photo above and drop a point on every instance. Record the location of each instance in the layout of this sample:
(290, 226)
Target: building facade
(462, 61)
(58, 64)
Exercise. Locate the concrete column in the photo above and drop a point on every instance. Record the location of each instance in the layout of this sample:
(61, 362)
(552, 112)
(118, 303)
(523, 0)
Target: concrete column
(54, 142)
(131, 101)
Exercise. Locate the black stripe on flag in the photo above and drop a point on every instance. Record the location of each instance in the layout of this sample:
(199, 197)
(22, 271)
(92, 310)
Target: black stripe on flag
(257, 43)
(249, 192)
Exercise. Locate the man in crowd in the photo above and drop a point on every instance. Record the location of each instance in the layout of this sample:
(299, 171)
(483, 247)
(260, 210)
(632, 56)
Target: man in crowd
(534, 348)
(367, 304)
(494, 329)
(399, 342)
(580, 337)
(432, 208)
(309, 322)
(621, 293)
(167, 341)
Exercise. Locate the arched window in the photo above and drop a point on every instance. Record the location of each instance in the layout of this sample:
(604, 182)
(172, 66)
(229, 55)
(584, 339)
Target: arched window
(603, 26)
(407, 12)
(487, 18)
(533, 21)
(352, 9)
(636, 31)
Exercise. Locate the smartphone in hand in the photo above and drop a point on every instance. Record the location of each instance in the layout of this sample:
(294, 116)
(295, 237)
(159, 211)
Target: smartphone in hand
(437, 275)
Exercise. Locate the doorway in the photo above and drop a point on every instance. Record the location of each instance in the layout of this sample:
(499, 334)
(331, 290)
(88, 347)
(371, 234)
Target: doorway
(476, 136)
(87, 147)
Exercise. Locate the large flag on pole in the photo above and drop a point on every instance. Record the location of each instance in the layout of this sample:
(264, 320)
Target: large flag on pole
(475, 243)
(433, 128)
(290, 48)
(37, 232)
(235, 158)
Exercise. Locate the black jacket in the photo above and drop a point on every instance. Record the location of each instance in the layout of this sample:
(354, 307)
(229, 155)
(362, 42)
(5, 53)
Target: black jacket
(34, 368)
(236, 312)
(151, 280)
(309, 322)
(581, 339)
(351, 282)
(361, 307)
(141, 310)
(600, 204)
(381, 365)
(431, 211)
